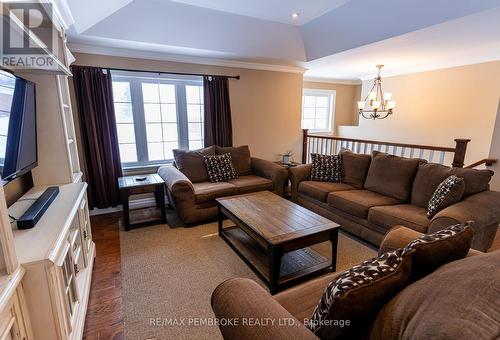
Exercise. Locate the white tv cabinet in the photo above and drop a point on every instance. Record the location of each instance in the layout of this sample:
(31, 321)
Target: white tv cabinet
(57, 255)
(45, 272)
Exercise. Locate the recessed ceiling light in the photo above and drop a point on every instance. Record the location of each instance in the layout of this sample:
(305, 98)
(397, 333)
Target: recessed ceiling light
(295, 15)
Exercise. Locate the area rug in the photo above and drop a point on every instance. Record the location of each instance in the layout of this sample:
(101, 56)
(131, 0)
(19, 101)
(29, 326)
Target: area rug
(170, 272)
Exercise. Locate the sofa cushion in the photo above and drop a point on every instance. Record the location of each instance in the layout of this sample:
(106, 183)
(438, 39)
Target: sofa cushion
(430, 175)
(354, 167)
(205, 192)
(240, 156)
(408, 215)
(357, 293)
(475, 180)
(457, 301)
(358, 202)
(220, 167)
(191, 163)
(251, 183)
(436, 249)
(320, 190)
(326, 168)
(392, 175)
(448, 192)
(427, 179)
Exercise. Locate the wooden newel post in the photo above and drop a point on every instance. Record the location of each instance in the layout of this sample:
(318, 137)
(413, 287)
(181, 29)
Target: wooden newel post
(460, 149)
(304, 145)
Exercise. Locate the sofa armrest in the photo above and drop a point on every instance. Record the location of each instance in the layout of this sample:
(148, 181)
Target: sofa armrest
(482, 208)
(244, 302)
(272, 171)
(180, 193)
(175, 180)
(398, 237)
(298, 174)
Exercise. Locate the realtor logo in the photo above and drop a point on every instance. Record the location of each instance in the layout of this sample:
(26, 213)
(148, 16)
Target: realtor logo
(29, 38)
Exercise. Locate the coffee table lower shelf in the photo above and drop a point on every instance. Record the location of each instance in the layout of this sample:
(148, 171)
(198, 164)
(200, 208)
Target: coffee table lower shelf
(297, 265)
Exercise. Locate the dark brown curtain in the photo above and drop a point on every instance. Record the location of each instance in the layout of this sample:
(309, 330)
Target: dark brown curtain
(94, 97)
(218, 127)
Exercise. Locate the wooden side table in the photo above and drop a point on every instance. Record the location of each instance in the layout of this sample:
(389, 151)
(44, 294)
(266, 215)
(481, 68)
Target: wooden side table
(286, 187)
(130, 185)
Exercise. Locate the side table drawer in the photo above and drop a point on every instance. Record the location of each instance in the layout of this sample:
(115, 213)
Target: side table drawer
(142, 189)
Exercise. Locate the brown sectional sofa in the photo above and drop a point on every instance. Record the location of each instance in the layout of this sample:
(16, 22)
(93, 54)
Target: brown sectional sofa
(431, 307)
(381, 190)
(193, 195)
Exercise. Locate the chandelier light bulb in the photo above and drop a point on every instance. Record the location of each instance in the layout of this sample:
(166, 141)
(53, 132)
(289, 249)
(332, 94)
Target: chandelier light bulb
(372, 95)
(361, 105)
(388, 96)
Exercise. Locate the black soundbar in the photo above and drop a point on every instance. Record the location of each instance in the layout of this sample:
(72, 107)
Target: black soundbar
(31, 217)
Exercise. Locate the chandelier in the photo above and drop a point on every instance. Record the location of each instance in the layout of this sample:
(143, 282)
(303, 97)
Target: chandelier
(380, 105)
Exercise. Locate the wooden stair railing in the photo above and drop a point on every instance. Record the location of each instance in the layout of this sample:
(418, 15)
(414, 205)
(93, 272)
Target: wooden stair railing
(486, 161)
(331, 145)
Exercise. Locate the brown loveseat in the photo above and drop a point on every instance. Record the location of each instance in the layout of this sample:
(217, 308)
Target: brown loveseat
(457, 301)
(380, 191)
(193, 195)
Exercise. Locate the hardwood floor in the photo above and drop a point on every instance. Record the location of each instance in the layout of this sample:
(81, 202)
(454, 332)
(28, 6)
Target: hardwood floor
(104, 314)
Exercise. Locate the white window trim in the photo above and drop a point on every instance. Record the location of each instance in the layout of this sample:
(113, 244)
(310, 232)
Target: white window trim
(137, 78)
(331, 118)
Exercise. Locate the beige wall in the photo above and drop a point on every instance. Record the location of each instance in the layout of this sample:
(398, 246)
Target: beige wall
(495, 152)
(438, 106)
(345, 98)
(265, 105)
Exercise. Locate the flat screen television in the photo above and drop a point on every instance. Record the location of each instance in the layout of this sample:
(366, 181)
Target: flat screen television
(18, 142)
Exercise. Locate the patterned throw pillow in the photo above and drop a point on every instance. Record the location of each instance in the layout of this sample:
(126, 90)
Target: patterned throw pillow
(448, 192)
(326, 168)
(436, 249)
(220, 168)
(357, 293)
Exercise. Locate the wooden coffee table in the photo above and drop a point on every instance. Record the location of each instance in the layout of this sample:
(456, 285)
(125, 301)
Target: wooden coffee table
(276, 226)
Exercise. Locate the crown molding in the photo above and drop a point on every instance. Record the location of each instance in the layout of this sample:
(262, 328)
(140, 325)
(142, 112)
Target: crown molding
(333, 81)
(64, 13)
(60, 11)
(153, 55)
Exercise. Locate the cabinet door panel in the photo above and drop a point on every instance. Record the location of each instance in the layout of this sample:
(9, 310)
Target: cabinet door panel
(67, 288)
(12, 325)
(86, 232)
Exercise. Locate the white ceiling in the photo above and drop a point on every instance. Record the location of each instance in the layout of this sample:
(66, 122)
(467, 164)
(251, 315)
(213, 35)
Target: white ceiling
(90, 12)
(334, 39)
(273, 10)
(174, 25)
(468, 40)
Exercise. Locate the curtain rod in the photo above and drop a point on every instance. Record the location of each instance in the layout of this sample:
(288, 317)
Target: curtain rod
(176, 73)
